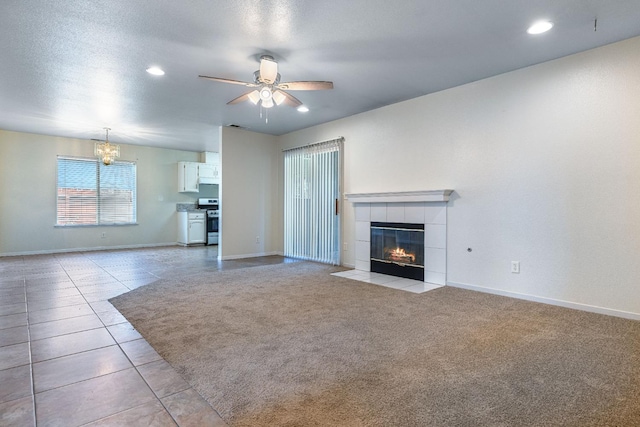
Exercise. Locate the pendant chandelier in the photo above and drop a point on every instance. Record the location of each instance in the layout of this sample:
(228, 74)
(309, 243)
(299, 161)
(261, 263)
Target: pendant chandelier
(106, 152)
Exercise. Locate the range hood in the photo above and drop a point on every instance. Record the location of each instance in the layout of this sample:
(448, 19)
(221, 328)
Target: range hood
(208, 180)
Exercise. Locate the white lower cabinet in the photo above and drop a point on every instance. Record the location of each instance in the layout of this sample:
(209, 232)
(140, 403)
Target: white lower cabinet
(192, 227)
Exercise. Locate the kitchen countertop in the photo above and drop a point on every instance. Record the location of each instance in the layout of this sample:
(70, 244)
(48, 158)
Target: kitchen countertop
(188, 207)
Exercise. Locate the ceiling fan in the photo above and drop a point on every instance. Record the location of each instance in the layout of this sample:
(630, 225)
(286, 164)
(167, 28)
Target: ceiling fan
(268, 89)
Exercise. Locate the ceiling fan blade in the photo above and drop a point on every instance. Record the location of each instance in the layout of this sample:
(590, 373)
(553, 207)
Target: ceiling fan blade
(305, 85)
(268, 69)
(288, 98)
(235, 82)
(241, 98)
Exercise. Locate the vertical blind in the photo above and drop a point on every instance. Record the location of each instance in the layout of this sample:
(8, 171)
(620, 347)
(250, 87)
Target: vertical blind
(311, 194)
(90, 193)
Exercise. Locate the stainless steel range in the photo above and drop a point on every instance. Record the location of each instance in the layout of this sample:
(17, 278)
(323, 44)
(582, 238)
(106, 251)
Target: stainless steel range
(213, 219)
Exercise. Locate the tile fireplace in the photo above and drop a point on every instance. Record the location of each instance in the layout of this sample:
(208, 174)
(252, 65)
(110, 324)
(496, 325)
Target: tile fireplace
(427, 209)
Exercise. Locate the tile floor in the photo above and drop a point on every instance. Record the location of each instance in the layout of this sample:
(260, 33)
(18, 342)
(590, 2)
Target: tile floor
(393, 282)
(69, 358)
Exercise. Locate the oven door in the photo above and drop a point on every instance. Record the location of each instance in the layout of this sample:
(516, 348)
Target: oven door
(213, 218)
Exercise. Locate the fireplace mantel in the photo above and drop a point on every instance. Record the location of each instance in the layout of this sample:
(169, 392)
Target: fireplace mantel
(400, 196)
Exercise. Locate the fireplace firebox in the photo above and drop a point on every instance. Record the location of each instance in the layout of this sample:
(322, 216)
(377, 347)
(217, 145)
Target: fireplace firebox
(397, 249)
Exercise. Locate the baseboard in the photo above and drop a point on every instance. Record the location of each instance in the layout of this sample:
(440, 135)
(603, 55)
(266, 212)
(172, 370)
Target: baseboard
(551, 301)
(349, 265)
(97, 248)
(229, 257)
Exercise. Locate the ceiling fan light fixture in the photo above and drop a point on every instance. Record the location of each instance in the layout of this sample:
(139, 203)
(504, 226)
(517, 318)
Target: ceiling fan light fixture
(254, 97)
(267, 103)
(265, 94)
(278, 97)
(540, 27)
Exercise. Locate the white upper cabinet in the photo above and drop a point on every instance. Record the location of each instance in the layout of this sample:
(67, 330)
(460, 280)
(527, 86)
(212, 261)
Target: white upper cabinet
(210, 168)
(192, 174)
(188, 177)
(208, 173)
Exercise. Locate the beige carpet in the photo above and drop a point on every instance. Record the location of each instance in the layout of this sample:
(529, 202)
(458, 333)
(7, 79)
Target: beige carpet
(290, 345)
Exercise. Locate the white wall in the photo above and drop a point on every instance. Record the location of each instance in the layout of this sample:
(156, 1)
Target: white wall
(249, 194)
(28, 196)
(545, 164)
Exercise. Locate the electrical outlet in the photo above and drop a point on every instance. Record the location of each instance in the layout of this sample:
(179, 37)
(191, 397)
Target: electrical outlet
(257, 239)
(346, 246)
(515, 267)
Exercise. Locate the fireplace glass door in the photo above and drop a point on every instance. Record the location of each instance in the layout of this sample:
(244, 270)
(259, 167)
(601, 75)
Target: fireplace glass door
(397, 249)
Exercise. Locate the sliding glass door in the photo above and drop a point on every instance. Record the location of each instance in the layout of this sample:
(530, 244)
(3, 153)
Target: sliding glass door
(311, 197)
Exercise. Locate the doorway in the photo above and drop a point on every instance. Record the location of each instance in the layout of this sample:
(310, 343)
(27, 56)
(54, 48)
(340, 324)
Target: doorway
(311, 202)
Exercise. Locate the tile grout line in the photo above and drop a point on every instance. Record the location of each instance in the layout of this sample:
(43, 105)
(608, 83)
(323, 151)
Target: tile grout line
(33, 384)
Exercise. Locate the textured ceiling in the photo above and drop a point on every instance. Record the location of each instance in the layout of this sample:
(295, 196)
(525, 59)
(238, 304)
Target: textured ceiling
(72, 67)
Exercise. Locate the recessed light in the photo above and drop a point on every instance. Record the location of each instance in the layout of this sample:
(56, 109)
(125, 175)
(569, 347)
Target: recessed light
(303, 109)
(155, 71)
(540, 27)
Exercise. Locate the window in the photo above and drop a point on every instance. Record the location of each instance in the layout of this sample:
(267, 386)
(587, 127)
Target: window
(90, 193)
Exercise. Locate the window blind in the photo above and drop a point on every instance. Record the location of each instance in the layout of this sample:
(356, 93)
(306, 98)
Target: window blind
(90, 193)
(312, 190)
